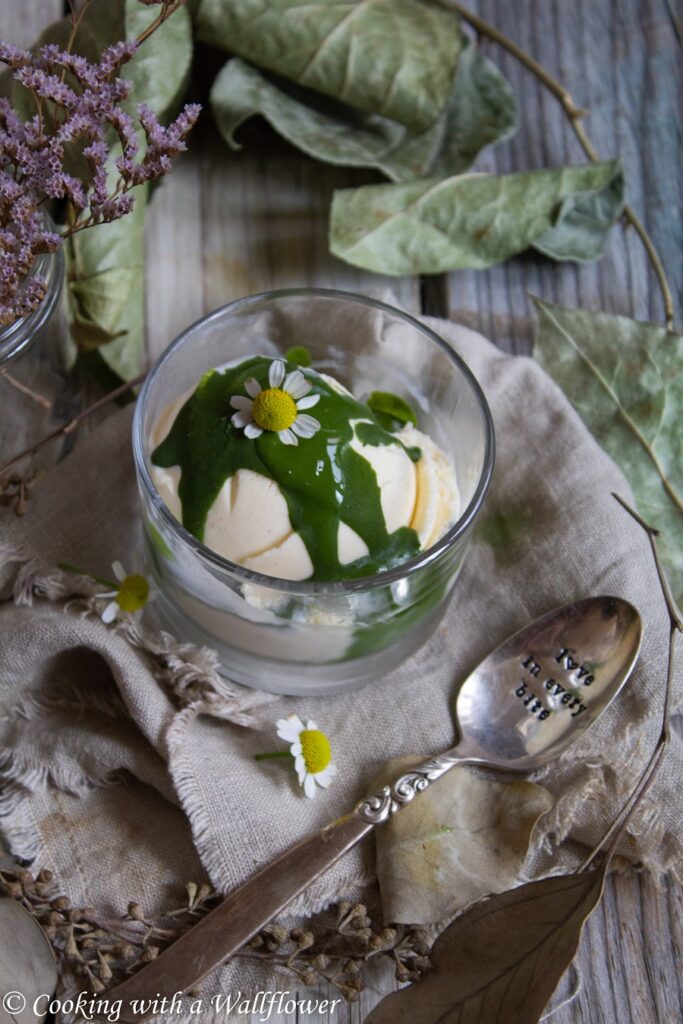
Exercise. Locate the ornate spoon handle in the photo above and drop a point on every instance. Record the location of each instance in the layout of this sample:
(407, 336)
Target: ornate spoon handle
(379, 807)
(251, 906)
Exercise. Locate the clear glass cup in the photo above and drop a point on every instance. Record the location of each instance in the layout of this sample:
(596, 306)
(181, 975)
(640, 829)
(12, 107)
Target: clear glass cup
(303, 637)
(36, 392)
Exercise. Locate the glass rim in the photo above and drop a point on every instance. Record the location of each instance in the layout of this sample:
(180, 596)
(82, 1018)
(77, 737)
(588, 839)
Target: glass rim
(310, 587)
(17, 337)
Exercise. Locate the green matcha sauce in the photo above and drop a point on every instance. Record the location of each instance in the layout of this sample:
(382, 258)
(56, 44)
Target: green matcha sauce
(323, 480)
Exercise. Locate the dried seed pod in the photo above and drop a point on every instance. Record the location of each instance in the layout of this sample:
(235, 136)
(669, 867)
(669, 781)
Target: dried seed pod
(135, 911)
(60, 903)
(320, 961)
(45, 876)
(149, 953)
(123, 950)
(205, 892)
(71, 949)
(105, 969)
(191, 889)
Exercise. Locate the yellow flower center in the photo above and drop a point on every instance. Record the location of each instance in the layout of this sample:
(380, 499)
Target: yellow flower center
(274, 409)
(316, 750)
(133, 593)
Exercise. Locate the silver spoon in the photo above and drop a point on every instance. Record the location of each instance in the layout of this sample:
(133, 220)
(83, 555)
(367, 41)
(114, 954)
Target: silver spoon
(522, 706)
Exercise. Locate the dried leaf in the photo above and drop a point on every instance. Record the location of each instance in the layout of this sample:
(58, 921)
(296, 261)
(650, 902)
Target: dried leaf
(467, 836)
(500, 961)
(481, 110)
(625, 379)
(106, 264)
(474, 220)
(396, 58)
(27, 964)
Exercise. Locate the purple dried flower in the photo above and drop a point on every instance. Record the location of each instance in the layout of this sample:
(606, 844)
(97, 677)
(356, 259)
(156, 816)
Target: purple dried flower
(86, 112)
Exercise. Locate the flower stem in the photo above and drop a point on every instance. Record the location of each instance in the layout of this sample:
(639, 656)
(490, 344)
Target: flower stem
(575, 114)
(67, 567)
(272, 754)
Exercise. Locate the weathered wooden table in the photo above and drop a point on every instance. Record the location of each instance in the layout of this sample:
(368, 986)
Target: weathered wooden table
(225, 225)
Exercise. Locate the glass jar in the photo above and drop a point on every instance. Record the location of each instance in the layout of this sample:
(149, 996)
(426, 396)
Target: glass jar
(34, 392)
(305, 637)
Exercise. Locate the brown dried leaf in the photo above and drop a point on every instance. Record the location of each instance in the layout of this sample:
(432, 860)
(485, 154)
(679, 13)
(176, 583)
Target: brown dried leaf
(500, 961)
(467, 836)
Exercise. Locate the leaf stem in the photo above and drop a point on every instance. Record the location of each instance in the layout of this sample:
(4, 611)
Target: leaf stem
(75, 423)
(575, 115)
(271, 754)
(167, 9)
(609, 841)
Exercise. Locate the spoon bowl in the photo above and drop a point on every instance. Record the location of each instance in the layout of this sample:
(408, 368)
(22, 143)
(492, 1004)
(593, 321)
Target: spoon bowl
(544, 686)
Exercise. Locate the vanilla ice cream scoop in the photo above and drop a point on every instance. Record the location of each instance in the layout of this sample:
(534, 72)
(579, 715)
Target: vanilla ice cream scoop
(283, 471)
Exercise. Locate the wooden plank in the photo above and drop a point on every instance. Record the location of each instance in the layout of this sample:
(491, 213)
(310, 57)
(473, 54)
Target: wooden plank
(227, 224)
(622, 61)
(22, 23)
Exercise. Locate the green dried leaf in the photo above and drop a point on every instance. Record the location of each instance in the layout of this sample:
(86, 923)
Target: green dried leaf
(500, 961)
(391, 410)
(625, 379)
(471, 220)
(481, 110)
(396, 58)
(106, 263)
(298, 354)
(467, 836)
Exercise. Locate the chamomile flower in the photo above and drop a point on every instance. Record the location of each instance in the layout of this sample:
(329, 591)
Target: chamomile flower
(130, 596)
(310, 748)
(278, 408)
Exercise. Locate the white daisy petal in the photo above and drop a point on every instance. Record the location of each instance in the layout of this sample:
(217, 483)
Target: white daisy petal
(295, 749)
(305, 426)
(303, 429)
(240, 419)
(287, 437)
(296, 384)
(252, 387)
(276, 373)
(252, 431)
(324, 778)
(241, 402)
(300, 764)
(310, 724)
(290, 728)
(119, 571)
(308, 402)
(110, 612)
(309, 786)
(301, 773)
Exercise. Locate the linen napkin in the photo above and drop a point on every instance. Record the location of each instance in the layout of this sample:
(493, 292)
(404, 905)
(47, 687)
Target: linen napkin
(128, 762)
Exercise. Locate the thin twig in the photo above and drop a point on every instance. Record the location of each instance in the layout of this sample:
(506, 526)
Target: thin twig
(76, 422)
(575, 114)
(166, 11)
(609, 841)
(34, 395)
